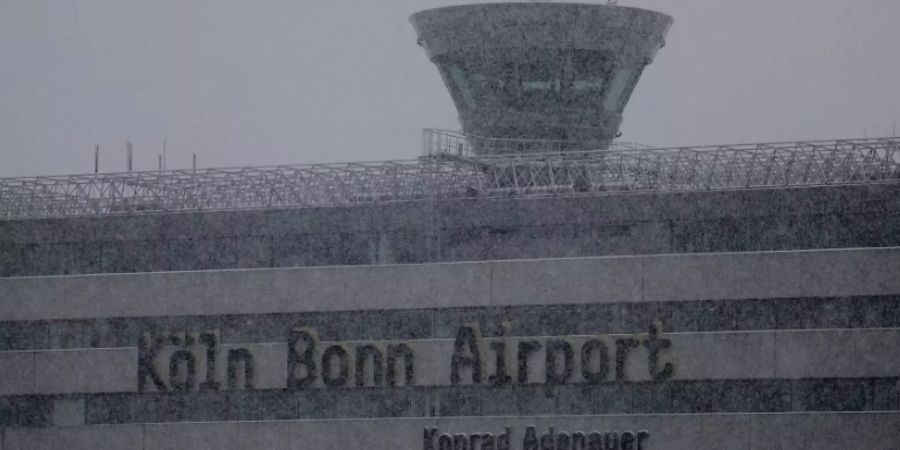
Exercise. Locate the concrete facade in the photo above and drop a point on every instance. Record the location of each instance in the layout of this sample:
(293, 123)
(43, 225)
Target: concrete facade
(756, 432)
(736, 319)
(467, 230)
(792, 349)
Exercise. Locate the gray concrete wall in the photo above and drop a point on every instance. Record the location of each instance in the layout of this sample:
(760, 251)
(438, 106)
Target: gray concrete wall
(464, 230)
(770, 350)
(664, 278)
(833, 431)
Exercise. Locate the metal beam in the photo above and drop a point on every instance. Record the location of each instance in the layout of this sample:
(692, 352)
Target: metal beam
(450, 169)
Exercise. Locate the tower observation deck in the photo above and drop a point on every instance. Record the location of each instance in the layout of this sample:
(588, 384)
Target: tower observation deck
(559, 71)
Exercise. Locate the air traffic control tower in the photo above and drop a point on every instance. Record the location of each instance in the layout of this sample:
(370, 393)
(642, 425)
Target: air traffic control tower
(541, 71)
(517, 287)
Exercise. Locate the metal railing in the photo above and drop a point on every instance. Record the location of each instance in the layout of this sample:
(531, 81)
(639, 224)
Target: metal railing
(445, 142)
(231, 188)
(850, 161)
(450, 171)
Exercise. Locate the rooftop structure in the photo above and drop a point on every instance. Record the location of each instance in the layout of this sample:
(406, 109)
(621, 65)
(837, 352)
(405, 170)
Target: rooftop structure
(457, 166)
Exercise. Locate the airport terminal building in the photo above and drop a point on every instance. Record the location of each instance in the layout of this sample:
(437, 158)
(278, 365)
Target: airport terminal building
(528, 283)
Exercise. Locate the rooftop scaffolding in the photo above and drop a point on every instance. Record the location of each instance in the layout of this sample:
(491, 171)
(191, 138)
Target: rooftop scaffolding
(452, 167)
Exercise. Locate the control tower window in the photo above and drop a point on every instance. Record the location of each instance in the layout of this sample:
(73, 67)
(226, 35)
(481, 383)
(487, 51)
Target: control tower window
(460, 85)
(536, 79)
(589, 75)
(620, 89)
(541, 75)
(483, 79)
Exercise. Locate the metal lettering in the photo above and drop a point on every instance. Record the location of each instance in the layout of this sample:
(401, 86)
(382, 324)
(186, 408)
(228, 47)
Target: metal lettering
(301, 356)
(148, 353)
(466, 354)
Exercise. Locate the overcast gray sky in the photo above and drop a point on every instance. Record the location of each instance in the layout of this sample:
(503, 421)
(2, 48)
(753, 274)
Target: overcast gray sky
(284, 82)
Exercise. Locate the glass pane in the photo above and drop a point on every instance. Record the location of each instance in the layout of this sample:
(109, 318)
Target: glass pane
(541, 77)
(487, 79)
(589, 75)
(458, 78)
(620, 89)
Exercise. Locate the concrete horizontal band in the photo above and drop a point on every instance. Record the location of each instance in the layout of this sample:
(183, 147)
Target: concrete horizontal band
(848, 204)
(457, 230)
(437, 323)
(868, 353)
(822, 273)
(676, 397)
(828, 431)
